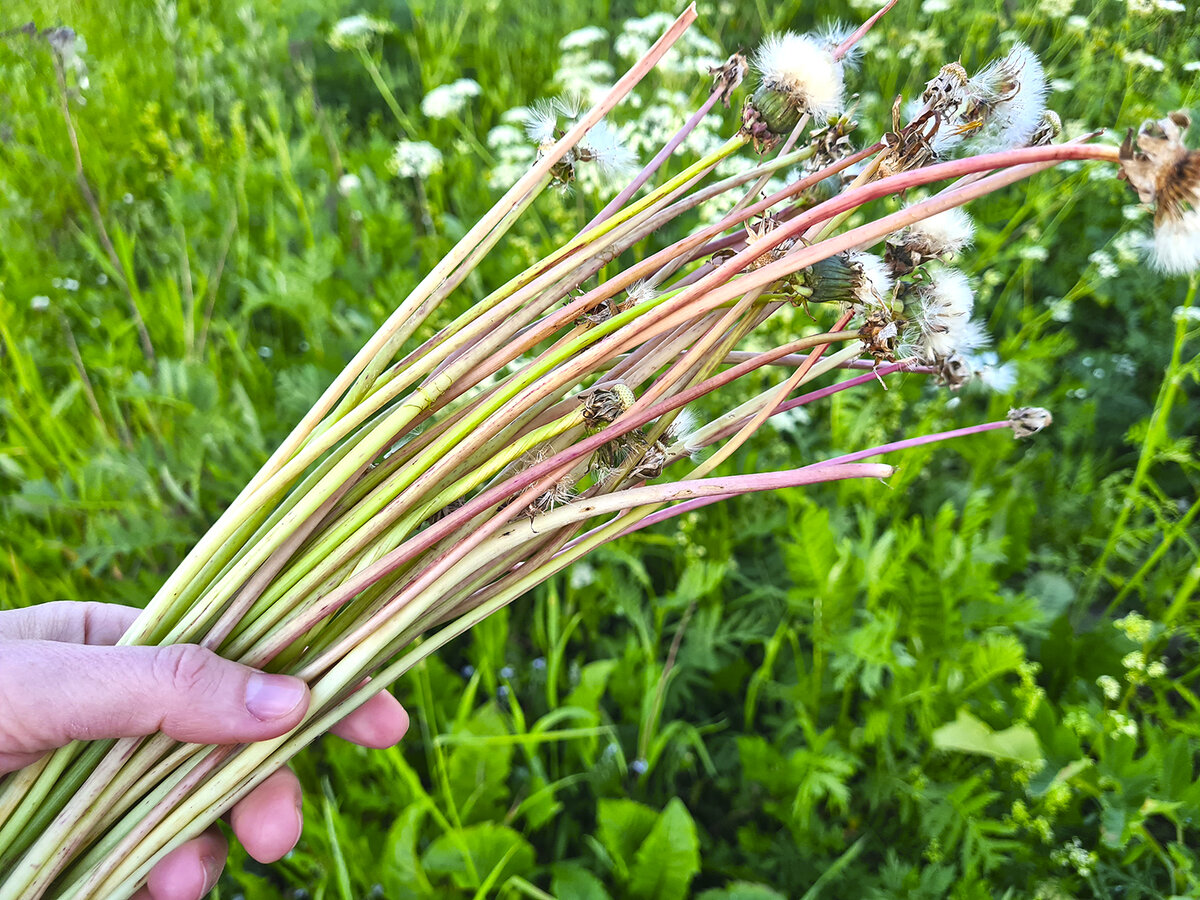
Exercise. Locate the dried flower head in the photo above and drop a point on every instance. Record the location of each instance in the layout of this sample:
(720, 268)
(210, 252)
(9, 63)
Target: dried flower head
(940, 309)
(602, 406)
(1028, 420)
(936, 237)
(1166, 173)
(727, 76)
(798, 76)
(854, 279)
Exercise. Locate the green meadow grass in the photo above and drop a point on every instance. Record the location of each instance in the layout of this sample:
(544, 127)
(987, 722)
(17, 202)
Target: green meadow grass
(924, 690)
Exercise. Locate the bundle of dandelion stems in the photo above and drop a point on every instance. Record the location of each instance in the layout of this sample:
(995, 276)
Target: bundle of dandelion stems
(421, 495)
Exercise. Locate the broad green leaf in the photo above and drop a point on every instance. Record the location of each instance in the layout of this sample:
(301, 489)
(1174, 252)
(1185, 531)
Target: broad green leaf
(970, 735)
(486, 846)
(622, 825)
(741, 890)
(577, 883)
(669, 858)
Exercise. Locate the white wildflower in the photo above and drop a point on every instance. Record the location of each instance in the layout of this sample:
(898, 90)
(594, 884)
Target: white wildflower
(1136, 627)
(1156, 669)
(1193, 66)
(582, 38)
(1105, 266)
(1143, 59)
(349, 184)
(415, 159)
(40, 303)
(1134, 660)
(450, 99)
(1110, 686)
(357, 32)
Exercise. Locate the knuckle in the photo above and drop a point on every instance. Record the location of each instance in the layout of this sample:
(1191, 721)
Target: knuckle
(186, 668)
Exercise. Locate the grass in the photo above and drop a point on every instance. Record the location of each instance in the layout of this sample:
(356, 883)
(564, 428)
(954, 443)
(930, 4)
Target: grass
(758, 701)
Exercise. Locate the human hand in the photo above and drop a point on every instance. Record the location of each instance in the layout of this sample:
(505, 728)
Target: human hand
(62, 680)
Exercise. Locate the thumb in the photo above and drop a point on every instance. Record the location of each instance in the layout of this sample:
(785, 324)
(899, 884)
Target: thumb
(52, 693)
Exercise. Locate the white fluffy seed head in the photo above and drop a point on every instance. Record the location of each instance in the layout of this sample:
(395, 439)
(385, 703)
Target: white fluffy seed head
(802, 68)
(874, 285)
(947, 232)
(542, 122)
(1008, 97)
(959, 336)
(947, 295)
(604, 146)
(1176, 247)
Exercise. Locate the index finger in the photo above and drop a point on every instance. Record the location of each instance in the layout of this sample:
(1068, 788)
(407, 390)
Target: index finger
(68, 621)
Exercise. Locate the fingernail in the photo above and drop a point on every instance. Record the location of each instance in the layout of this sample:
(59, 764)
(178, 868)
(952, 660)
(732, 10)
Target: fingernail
(212, 871)
(273, 696)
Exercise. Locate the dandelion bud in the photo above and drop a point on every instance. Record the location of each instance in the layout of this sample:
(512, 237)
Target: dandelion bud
(798, 77)
(854, 279)
(1166, 173)
(1028, 420)
(937, 237)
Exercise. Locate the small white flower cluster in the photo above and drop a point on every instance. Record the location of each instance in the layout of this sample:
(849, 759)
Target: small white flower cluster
(448, 100)
(1142, 59)
(1135, 627)
(1109, 686)
(357, 32)
(415, 159)
(1149, 7)
(1074, 855)
(691, 55)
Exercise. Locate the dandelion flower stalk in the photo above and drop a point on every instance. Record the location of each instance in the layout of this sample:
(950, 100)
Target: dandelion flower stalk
(430, 486)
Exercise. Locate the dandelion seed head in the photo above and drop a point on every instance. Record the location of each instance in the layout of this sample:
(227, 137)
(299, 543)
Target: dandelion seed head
(1008, 99)
(1176, 246)
(801, 75)
(608, 150)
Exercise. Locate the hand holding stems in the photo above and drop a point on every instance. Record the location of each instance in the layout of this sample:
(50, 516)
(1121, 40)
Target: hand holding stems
(62, 680)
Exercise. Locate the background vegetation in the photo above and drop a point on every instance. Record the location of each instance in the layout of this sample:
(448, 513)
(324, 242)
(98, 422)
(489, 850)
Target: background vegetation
(980, 682)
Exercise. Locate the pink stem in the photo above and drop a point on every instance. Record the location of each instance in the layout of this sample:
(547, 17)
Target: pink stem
(653, 166)
(844, 47)
(911, 442)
